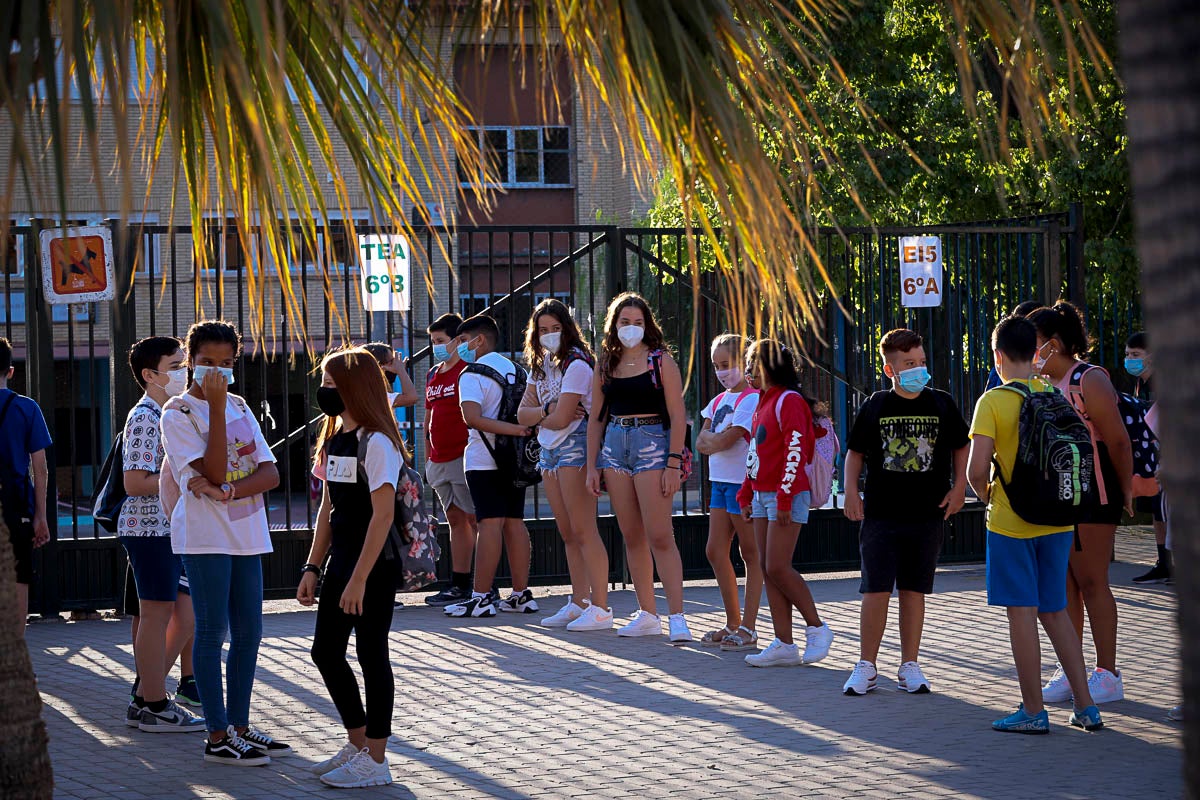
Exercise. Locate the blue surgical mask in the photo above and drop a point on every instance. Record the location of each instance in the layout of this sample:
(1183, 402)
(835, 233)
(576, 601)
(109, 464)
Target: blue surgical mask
(441, 353)
(466, 353)
(1135, 366)
(200, 372)
(913, 380)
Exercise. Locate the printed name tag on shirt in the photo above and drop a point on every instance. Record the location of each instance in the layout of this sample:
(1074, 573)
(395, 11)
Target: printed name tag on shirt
(342, 469)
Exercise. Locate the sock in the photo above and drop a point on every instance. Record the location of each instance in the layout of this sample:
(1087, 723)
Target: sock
(460, 580)
(158, 706)
(478, 595)
(139, 701)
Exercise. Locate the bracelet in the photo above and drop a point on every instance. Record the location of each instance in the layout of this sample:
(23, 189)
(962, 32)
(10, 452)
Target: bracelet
(313, 568)
(677, 469)
(233, 491)
(545, 410)
(675, 455)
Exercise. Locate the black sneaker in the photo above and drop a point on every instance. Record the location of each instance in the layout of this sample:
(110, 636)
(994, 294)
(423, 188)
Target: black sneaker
(137, 681)
(133, 715)
(448, 597)
(172, 719)
(475, 607)
(1159, 573)
(234, 751)
(187, 693)
(267, 744)
(522, 603)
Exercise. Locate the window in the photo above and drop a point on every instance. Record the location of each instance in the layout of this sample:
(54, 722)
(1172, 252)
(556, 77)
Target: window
(525, 156)
(512, 317)
(226, 251)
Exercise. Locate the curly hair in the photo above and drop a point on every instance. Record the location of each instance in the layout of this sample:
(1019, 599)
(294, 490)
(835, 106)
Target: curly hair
(571, 338)
(611, 347)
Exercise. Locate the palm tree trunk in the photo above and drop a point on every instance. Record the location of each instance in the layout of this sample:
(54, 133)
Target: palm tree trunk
(25, 772)
(1160, 53)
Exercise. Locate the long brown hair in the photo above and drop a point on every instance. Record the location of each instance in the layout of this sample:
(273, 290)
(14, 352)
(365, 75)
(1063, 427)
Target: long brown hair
(363, 389)
(611, 346)
(534, 352)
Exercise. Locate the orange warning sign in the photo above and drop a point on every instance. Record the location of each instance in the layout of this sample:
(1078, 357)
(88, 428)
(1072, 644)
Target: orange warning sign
(77, 264)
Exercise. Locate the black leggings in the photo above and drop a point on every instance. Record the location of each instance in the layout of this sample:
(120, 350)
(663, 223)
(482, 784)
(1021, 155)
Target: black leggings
(371, 630)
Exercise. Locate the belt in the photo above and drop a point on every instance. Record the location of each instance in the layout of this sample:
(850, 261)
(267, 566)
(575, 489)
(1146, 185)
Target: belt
(635, 422)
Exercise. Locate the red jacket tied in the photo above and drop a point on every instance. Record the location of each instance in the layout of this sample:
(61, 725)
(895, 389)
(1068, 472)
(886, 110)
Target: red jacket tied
(781, 446)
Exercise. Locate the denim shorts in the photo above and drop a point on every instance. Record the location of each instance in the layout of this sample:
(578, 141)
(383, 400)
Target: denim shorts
(156, 568)
(724, 497)
(1029, 572)
(571, 453)
(765, 502)
(634, 450)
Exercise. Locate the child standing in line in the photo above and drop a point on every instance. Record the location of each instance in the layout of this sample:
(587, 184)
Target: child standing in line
(1026, 563)
(775, 495)
(725, 439)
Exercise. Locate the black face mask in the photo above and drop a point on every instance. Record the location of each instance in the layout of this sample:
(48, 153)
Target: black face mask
(329, 400)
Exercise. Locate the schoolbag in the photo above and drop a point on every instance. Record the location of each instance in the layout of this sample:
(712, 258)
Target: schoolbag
(687, 462)
(14, 488)
(110, 493)
(515, 455)
(1053, 479)
(412, 543)
(1141, 439)
(822, 469)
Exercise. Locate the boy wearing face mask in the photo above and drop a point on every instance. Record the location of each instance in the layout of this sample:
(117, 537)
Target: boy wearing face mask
(1140, 366)
(913, 441)
(165, 612)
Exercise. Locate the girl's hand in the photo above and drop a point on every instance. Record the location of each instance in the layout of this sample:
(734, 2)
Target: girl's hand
(216, 389)
(352, 597)
(748, 514)
(306, 592)
(670, 481)
(593, 481)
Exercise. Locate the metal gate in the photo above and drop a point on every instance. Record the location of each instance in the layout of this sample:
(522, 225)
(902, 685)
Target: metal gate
(72, 359)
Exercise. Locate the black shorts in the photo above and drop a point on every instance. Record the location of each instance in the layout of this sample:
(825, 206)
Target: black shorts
(901, 555)
(1150, 505)
(1113, 511)
(133, 606)
(20, 533)
(494, 495)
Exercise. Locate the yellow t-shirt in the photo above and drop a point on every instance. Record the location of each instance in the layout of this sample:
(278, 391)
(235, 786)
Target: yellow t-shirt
(996, 415)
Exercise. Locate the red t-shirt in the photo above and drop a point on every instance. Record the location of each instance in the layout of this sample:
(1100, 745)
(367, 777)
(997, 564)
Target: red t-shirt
(447, 432)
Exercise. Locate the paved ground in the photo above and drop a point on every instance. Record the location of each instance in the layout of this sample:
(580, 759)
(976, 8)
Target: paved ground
(506, 709)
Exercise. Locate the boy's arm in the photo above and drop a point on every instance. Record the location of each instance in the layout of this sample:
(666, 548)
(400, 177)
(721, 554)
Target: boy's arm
(41, 527)
(853, 507)
(957, 496)
(473, 416)
(979, 465)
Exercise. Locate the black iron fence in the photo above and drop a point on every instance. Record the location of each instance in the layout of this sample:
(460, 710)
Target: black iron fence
(72, 358)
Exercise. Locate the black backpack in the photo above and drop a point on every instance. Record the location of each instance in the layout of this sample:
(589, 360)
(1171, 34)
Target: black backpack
(516, 455)
(1053, 479)
(14, 488)
(110, 487)
(1141, 438)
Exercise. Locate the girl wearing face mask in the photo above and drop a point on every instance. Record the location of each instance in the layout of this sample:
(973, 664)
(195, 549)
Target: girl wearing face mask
(362, 458)
(224, 468)
(725, 439)
(1062, 345)
(637, 439)
(558, 401)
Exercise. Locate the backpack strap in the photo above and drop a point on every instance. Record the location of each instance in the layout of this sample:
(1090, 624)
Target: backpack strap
(779, 407)
(748, 391)
(432, 372)
(394, 540)
(1075, 387)
(8, 401)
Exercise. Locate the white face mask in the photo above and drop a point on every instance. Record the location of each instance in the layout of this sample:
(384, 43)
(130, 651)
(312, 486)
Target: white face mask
(631, 335)
(729, 378)
(551, 341)
(200, 372)
(176, 381)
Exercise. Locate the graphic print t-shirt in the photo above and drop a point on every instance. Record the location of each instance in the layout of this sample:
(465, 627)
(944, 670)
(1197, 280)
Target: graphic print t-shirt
(908, 447)
(447, 431)
(143, 451)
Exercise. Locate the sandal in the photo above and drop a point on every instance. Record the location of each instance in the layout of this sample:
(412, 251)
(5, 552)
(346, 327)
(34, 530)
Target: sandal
(716, 638)
(743, 639)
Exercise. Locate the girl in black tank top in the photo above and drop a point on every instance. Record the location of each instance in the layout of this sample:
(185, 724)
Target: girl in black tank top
(360, 456)
(637, 440)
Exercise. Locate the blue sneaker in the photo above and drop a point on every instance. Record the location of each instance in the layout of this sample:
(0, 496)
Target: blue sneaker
(188, 693)
(1020, 722)
(1087, 718)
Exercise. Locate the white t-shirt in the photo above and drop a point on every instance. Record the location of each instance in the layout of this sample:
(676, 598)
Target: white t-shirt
(576, 380)
(729, 466)
(381, 462)
(487, 393)
(143, 516)
(202, 525)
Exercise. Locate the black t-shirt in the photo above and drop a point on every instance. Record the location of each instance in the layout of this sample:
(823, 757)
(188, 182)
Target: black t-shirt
(908, 448)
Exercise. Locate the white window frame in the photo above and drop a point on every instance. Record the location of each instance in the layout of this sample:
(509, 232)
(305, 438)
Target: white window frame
(509, 179)
(362, 222)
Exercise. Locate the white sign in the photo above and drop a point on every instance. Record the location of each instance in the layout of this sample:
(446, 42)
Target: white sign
(386, 272)
(77, 265)
(920, 271)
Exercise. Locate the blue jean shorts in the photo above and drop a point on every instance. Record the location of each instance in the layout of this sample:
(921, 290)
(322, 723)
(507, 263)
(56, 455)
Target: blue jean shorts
(156, 569)
(764, 507)
(571, 453)
(724, 497)
(634, 450)
(1029, 572)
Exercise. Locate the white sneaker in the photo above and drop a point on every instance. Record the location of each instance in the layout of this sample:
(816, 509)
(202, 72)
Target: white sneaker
(359, 771)
(342, 758)
(1058, 689)
(910, 679)
(861, 680)
(643, 624)
(777, 654)
(817, 642)
(593, 618)
(679, 632)
(564, 616)
(1106, 687)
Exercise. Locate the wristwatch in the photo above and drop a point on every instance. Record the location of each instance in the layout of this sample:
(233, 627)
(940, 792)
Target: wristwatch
(227, 490)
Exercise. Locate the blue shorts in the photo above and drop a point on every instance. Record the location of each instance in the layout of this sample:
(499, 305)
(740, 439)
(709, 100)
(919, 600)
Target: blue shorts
(571, 453)
(156, 568)
(1029, 572)
(724, 498)
(634, 450)
(764, 507)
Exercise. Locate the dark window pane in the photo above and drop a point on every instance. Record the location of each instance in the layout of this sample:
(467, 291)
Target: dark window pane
(527, 166)
(556, 138)
(526, 138)
(557, 167)
(495, 146)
